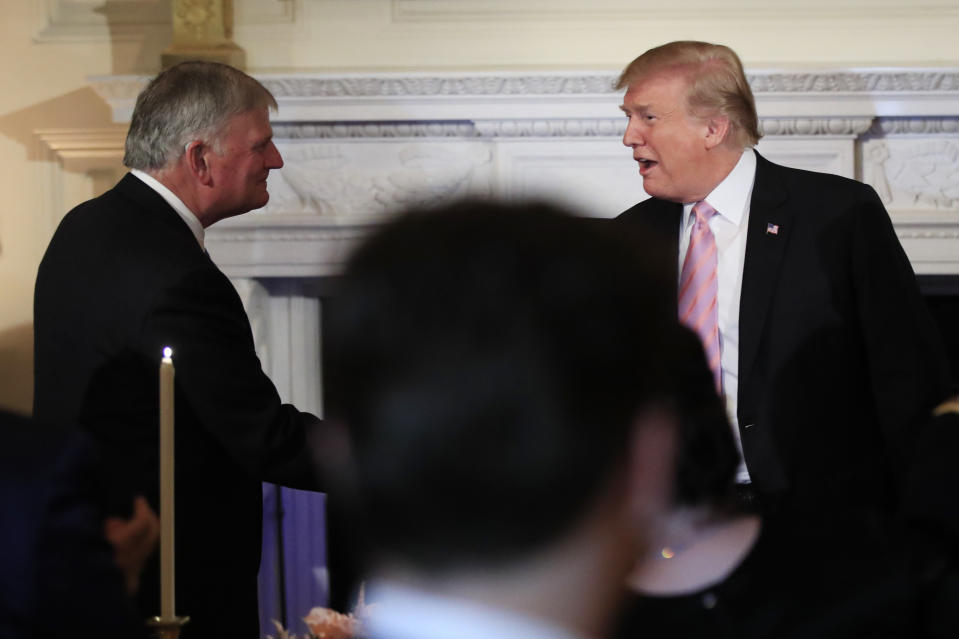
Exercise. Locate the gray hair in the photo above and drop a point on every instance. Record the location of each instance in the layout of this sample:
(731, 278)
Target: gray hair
(189, 101)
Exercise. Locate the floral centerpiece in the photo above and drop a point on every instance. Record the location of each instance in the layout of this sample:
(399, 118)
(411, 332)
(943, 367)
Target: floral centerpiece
(325, 623)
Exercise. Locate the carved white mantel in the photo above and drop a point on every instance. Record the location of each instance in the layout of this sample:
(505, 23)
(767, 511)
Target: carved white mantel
(359, 146)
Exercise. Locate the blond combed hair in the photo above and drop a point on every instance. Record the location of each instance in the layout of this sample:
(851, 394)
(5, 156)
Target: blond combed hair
(716, 83)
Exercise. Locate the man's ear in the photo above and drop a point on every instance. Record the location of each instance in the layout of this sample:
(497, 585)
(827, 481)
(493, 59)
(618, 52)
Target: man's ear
(717, 130)
(197, 161)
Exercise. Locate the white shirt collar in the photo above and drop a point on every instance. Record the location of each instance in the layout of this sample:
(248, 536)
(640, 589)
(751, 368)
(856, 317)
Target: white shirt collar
(731, 196)
(182, 210)
(403, 612)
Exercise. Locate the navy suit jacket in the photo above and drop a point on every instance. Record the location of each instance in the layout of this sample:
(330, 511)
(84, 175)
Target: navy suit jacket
(839, 360)
(57, 574)
(123, 277)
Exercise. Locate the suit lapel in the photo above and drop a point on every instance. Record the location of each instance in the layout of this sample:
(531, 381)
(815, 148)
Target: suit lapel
(770, 223)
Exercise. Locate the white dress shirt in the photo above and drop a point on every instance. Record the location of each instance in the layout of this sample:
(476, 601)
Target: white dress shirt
(182, 210)
(403, 612)
(731, 201)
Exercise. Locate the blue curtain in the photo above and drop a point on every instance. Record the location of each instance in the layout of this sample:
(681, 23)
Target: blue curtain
(293, 576)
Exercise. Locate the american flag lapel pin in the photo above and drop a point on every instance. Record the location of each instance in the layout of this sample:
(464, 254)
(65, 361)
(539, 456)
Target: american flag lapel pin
(772, 229)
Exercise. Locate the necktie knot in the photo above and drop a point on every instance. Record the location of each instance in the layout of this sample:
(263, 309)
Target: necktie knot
(703, 211)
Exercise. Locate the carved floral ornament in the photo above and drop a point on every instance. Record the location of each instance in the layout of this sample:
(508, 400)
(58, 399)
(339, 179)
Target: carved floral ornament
(914, 174)
(204, 22)
(873, 82)
(824, 82)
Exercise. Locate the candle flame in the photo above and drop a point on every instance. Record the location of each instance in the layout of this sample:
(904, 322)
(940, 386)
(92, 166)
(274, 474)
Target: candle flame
(167, 352)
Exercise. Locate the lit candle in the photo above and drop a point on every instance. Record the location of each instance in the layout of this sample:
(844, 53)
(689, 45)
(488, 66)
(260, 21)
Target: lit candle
(166, 486)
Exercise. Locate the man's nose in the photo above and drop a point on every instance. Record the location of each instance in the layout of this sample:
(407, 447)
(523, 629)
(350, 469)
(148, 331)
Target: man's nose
(274, 159)
(632, 137)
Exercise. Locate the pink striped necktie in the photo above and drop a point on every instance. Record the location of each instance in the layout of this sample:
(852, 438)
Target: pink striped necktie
(698, 288)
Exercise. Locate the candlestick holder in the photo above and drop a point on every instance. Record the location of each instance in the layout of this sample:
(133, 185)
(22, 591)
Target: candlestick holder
(167, 627)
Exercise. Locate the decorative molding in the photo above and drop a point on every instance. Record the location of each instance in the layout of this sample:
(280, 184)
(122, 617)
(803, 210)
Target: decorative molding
(912, 174)
(343, 179)
(396, 85)
(935, 233)
(284, 246)
(930, 239)
(358, 147)
(306, 232)
(97, 153)
(352, 130)
(828, 127)
(520, 128)
(516, 127)
(584, 96)
(892, 81)
(603, 84)
(84, 149)
(948, 125)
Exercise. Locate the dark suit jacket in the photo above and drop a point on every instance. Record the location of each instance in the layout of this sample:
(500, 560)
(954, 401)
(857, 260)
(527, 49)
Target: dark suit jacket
(57, 574)
(122, 278)
(839, 360)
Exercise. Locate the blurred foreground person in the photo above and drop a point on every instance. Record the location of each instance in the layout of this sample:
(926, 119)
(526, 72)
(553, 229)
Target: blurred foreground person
(498, 368)
(58, 573)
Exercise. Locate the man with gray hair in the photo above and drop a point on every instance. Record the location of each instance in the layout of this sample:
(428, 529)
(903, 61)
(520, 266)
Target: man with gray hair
(125, 275)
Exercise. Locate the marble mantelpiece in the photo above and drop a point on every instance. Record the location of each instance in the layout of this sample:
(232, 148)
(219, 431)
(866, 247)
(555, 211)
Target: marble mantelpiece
(362, 145)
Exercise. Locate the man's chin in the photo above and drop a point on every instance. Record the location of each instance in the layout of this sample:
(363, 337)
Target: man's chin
(652, 189)
(260, 202)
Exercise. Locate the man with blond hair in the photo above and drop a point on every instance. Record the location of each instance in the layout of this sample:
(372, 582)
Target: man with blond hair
(807, 306)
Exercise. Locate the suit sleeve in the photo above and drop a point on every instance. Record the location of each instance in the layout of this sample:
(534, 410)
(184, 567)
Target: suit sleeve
(906, 361)
(220, 379)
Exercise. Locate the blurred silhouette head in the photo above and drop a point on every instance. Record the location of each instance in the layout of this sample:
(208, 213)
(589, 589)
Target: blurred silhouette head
(494, 364)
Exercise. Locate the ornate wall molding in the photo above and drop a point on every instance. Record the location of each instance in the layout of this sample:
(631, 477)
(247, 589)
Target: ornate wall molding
(535, 128)
(66, 155)
(914, 175)
(487, 84)
(398, 97)
(584, 83)
(358, 147)
(595, 127)
(83, 149)
(948, 125)
(348, 130)
(877, 81)
(835, 127)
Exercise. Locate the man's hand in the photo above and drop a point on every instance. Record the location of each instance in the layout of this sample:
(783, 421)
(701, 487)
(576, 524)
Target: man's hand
(133, 540)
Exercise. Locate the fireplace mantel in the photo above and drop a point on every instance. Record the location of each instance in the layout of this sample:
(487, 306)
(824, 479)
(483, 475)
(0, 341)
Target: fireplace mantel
(359, 146)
